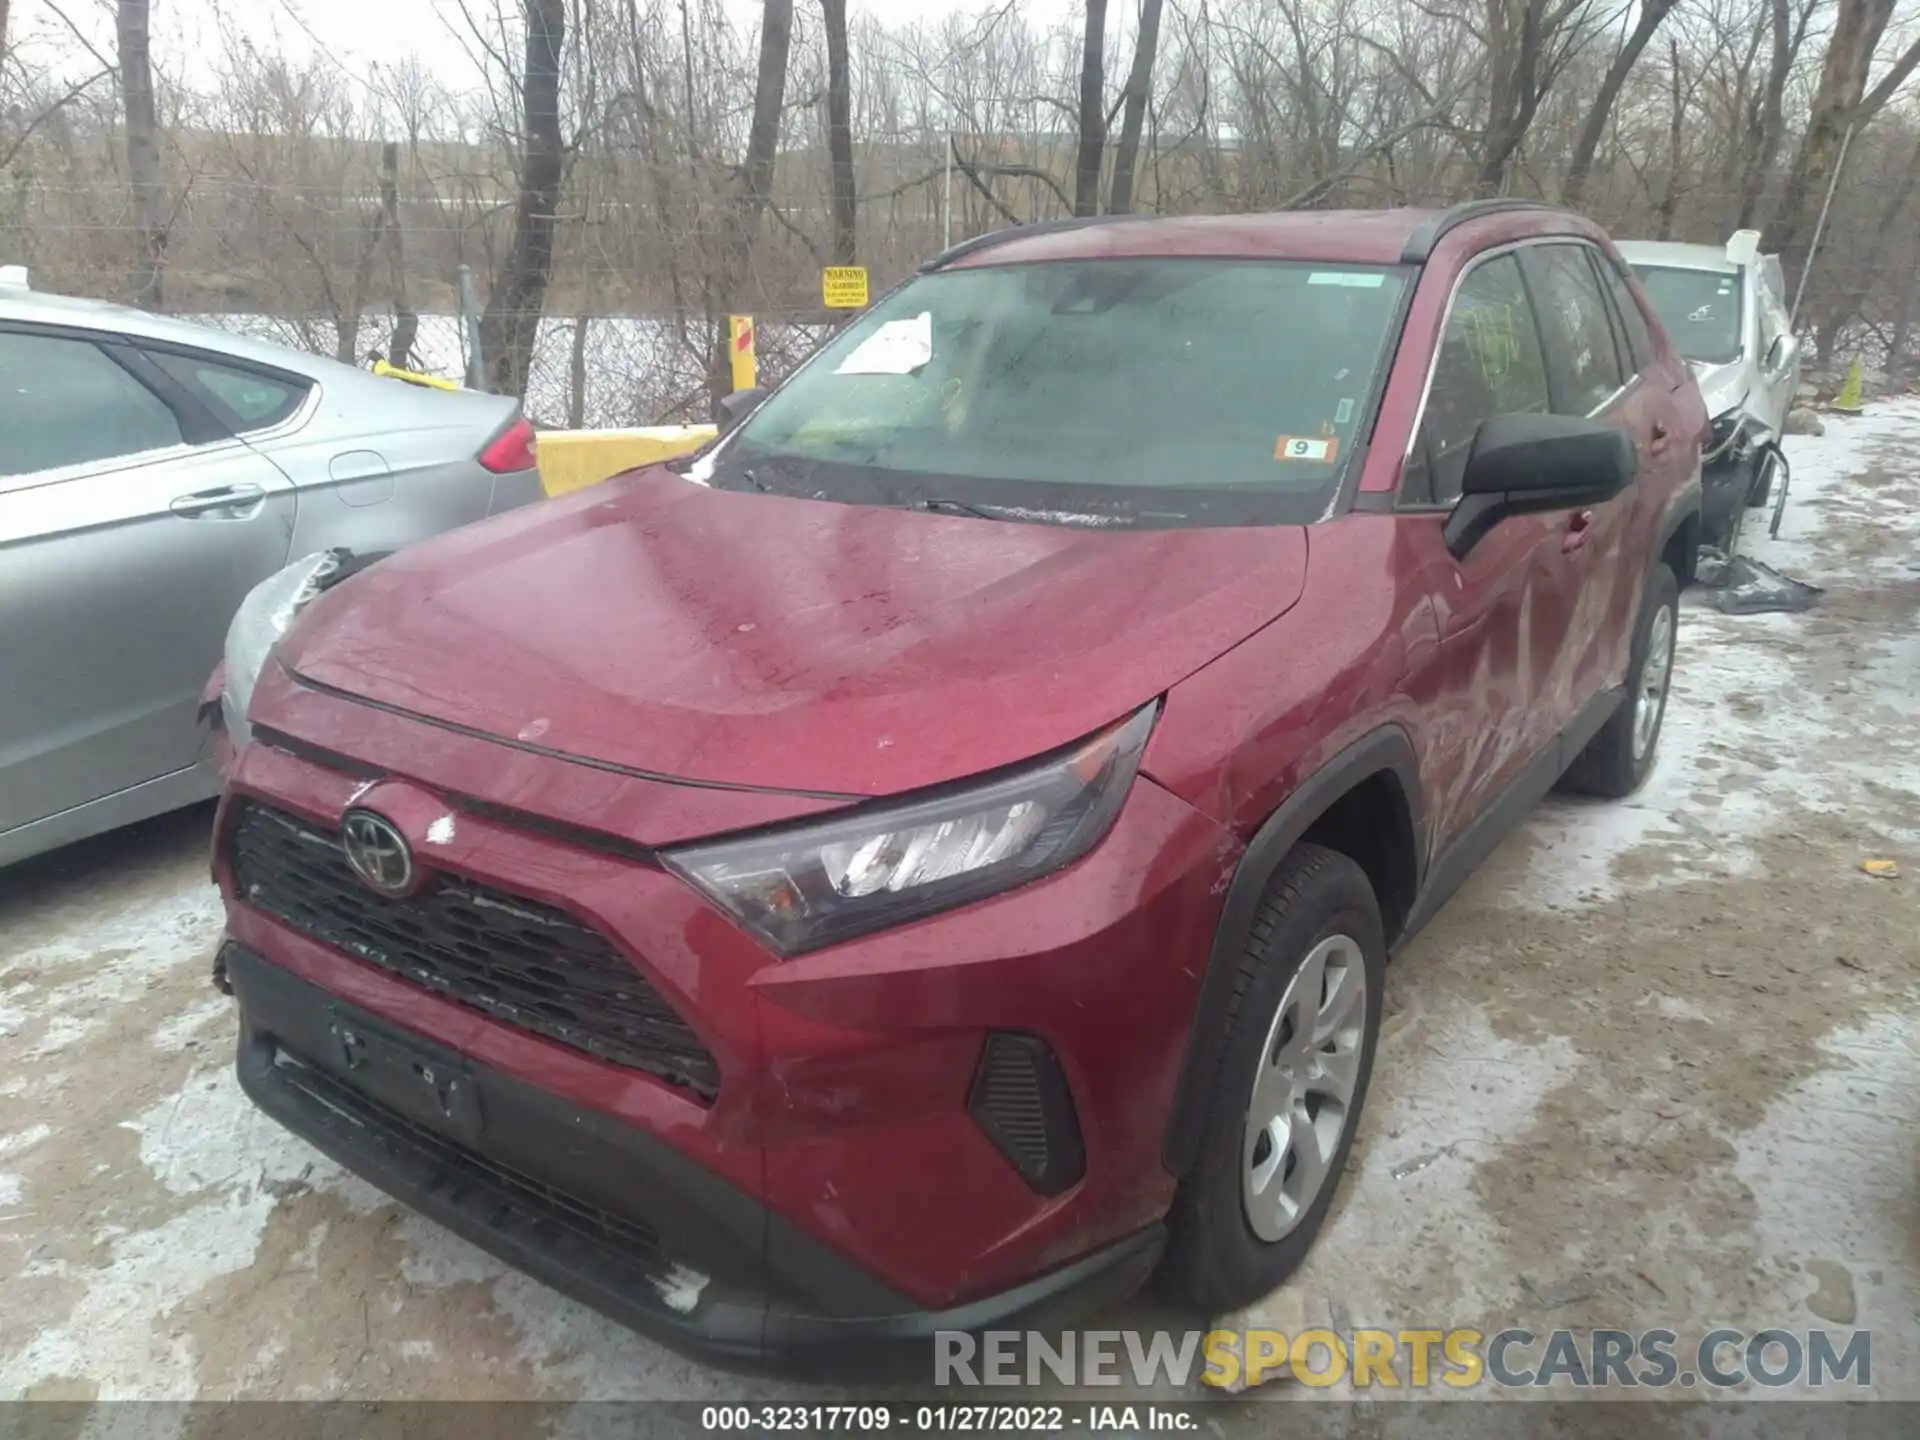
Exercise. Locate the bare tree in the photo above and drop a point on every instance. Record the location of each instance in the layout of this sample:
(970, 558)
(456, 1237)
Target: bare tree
(1133, 114)
(1580, 163)
(1527, 43)
(143, 152)
(840, 133)
(755, 181)
(1092, 113)
(511, 324)
(1836, 106)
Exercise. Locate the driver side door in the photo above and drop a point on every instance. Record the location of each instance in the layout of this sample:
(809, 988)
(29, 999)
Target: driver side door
(1502, 608)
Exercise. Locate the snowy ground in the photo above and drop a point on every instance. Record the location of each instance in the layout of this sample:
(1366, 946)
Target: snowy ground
(1655, 1065)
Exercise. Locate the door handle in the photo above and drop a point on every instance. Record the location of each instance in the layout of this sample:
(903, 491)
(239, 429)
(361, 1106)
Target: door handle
(227, 497)
(1579, 531)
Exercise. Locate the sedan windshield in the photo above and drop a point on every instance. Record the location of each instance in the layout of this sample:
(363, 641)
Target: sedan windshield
(1149, 392)
(1700, 308)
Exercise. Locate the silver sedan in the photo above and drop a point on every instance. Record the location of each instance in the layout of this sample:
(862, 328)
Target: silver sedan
(151, 473)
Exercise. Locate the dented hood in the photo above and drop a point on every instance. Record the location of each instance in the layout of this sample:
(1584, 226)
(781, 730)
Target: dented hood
(748, 639)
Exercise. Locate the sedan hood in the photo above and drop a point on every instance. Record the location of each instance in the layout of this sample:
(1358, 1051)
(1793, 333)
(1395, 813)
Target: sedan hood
(743, 639)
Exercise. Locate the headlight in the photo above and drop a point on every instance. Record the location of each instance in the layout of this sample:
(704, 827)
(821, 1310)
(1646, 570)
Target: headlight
(808, 885)
(258, 624)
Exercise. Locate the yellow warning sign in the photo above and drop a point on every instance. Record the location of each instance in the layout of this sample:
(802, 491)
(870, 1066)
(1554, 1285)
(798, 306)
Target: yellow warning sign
(843, 287)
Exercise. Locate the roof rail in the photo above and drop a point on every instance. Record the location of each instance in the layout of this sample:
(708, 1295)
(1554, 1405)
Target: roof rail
(1420, 244)
(1017, 232)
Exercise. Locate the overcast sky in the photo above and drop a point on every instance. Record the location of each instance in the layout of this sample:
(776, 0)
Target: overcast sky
(355, 32)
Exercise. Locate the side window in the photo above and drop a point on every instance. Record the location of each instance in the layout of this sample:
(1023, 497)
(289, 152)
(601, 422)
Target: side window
(1581, 360)
(251, 399)
(65, 402)
(1489, 364)
(1636, 343)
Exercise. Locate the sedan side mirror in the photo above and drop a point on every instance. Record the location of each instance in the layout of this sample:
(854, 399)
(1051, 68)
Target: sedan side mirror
(1781, 354)
(736, 407)
(1532, 464)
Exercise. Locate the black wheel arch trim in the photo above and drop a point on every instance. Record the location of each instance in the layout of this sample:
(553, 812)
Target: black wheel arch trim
(1690, 503)
(1387, 749)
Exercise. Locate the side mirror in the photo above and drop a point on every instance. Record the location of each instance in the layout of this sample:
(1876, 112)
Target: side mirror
(1533, 464)
(736, 407)
(1782, 353)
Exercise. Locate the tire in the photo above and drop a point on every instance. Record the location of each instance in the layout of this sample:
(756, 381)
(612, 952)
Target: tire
(1618, 760)
(1319, 908)
(1761, 490)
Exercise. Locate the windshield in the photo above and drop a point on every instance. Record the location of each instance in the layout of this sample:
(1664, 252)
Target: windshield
(1700, 308)
(1152, 392)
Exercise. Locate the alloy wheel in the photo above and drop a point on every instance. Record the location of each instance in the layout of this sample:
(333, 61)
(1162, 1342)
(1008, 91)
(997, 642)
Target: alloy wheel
(1303, 1087)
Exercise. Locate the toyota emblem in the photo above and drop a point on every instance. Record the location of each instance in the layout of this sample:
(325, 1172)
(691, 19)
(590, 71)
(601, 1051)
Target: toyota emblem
(377, 852)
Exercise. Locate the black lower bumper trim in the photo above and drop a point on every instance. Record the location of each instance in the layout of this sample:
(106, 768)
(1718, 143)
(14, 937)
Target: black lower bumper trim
(547, 1188)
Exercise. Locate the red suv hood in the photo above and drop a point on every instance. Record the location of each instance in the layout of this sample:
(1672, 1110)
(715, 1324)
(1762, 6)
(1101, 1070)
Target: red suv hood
(751, 639)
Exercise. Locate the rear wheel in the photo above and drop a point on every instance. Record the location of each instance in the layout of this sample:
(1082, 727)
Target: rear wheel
(1617, 761)
(1297, 1055)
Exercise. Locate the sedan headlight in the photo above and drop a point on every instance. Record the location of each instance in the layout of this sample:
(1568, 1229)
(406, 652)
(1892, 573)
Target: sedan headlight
(813, 884)
(263, 617)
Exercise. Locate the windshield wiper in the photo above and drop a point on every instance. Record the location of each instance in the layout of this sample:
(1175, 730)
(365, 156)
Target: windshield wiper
(940, 505)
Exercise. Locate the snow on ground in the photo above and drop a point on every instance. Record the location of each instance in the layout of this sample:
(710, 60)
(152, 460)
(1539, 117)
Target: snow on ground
(1723, 795)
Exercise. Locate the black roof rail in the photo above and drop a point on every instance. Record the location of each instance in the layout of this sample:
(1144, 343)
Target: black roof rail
(1419, 247)
(1019, 232)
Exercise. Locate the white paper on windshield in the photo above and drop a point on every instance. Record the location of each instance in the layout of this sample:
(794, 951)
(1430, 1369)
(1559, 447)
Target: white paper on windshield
(898, 347)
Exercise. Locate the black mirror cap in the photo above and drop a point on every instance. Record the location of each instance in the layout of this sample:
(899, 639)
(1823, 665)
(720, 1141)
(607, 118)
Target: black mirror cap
(1551, 456)
(1533, 464)
(736, 407)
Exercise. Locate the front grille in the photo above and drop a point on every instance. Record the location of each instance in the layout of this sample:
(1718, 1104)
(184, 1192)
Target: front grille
(557, 1207)
(1022, 1101)
(516, 959)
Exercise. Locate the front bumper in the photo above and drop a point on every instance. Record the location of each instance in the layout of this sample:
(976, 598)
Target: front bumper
(600, 1210)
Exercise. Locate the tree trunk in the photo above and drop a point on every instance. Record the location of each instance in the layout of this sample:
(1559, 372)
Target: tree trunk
(143, 152)
(1857, 28)
(1093, 113)
(1766, 146)
(840, 133)
(1676, 132)
(406, 324)
(1580, 166)
(756, 183)
(577, 376)
(1126, 156)
(511, 323)
(1903, 334)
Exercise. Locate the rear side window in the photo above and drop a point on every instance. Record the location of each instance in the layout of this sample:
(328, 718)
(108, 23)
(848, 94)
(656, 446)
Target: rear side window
(1636, 342)
(248, 399)
(1581, 360)
(65, 402)
(1489, 364)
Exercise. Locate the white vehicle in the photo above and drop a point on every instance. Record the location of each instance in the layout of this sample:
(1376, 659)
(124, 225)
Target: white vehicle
(1725, 309)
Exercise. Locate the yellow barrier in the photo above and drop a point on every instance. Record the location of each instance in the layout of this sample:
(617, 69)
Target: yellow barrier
(574, 459)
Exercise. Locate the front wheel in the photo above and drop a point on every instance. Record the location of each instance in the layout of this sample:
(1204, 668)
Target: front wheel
(1297, 1054)
(1619, 758)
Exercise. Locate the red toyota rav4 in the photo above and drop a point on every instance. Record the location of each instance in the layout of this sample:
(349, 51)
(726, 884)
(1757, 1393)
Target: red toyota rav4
(928, 862)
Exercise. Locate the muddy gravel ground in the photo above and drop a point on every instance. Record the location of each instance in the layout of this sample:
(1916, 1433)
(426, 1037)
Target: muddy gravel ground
(1655, 1066)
